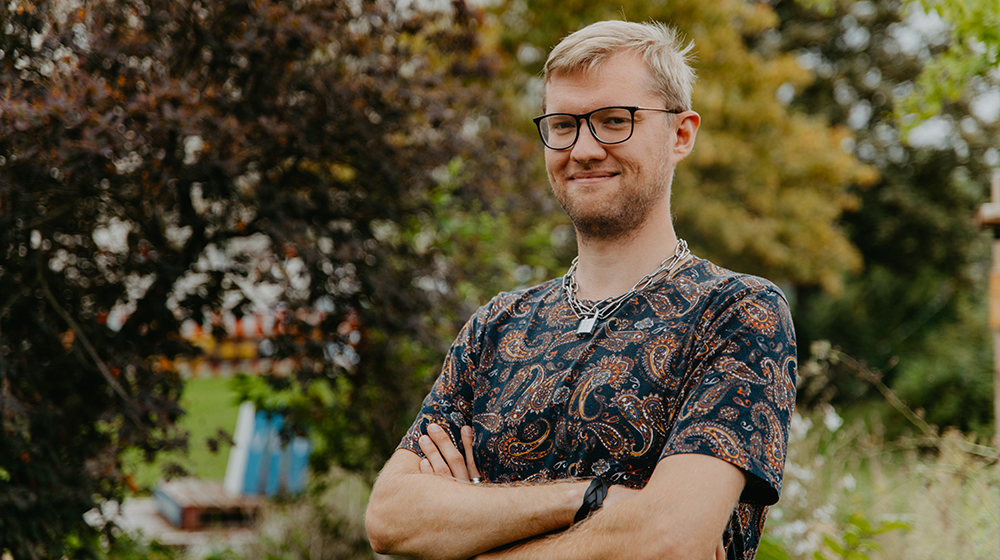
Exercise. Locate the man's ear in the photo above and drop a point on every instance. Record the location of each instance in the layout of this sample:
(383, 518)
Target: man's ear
(685, 130)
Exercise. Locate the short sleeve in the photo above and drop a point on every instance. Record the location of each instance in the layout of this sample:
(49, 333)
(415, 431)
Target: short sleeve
(740, 392)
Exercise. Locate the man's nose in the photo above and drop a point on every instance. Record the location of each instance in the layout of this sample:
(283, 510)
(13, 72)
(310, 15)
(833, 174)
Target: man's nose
(587, 146)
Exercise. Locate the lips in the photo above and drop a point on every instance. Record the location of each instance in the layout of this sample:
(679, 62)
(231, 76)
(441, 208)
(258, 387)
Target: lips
(592, 176)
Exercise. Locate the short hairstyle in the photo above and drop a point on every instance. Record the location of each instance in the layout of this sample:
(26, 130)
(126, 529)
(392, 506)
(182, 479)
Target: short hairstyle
(665, 53)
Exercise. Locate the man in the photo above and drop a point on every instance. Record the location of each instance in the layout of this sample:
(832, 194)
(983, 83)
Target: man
(637, 407)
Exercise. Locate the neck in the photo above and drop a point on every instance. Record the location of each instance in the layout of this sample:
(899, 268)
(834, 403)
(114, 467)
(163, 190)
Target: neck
(608, 268)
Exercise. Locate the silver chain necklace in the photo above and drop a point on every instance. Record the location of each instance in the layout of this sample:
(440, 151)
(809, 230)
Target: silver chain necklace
(590, 313)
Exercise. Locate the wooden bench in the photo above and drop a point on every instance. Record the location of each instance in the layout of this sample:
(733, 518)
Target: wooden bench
(193, 505)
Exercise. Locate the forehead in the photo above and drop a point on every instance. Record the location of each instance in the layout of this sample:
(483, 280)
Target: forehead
(622, 80)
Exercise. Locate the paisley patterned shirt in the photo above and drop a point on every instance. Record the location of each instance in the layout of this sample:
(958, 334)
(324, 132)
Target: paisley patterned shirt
(701, 363)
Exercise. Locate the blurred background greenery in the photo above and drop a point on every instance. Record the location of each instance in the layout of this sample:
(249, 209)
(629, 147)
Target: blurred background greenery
(366, 174)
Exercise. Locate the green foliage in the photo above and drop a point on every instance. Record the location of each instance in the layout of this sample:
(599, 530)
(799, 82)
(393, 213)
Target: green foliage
(771, 549)
(950, 378)
(328, 522)
(127, 547)
(164, 161)
(858, 538)
(824, 7)
(223, 555)
(842, 462)
(922, 281)
(210, 410)
(972, 54)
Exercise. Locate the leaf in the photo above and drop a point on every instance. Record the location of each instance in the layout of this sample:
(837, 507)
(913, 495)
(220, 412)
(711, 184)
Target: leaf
(888, 526)
(835, 546)
(771, 548)
(851, 539)
(858, 520)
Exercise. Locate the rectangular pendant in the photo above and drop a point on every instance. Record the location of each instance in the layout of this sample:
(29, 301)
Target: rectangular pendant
(586, 325)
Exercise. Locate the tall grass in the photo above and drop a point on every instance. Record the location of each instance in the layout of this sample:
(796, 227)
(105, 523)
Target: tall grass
(938, 496)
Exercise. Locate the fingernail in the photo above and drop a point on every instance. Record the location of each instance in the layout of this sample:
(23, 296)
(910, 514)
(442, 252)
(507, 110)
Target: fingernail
(467, 430)
(424, 440)
(433, 428)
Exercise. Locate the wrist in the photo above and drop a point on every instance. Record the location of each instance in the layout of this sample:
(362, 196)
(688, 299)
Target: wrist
(572, 496)
(593, 499)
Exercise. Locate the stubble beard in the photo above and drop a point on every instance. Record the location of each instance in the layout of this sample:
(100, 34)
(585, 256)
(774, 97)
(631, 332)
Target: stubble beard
(620, 217)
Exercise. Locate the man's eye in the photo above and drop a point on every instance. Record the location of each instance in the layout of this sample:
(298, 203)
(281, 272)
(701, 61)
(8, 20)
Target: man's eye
(614, 122)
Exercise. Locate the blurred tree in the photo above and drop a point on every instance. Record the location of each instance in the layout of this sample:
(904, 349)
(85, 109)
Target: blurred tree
(165, 160)
(924, 259)
(967, 56)
(765, 186)
(972, 55)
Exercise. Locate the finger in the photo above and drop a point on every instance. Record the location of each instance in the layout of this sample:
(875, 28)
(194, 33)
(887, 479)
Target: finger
(447, 449)
(425, 467)
(720, 552)
(468, 434)
(438, 464)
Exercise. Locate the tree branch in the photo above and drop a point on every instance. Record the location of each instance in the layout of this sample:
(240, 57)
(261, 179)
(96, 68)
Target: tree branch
(82, 336)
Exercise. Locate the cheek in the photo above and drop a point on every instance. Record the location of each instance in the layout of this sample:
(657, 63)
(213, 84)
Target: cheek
(554, 161)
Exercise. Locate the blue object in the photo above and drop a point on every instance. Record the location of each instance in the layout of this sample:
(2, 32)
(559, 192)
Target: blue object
(258, 447)
(271, 466)
(273, 455)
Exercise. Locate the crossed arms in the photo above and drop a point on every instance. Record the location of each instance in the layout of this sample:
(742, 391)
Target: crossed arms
(428, 509)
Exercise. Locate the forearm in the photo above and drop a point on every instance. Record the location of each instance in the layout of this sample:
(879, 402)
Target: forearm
(611, 533)
(427, 516)
(681, 514)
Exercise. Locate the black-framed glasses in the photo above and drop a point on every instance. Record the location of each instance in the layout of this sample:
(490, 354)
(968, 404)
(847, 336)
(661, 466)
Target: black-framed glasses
(609, 125)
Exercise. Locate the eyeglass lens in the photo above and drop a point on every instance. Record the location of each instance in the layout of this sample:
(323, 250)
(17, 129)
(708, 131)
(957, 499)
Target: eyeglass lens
(610, 126)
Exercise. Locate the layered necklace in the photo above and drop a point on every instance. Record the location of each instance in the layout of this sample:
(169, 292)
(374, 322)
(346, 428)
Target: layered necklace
(590, 313)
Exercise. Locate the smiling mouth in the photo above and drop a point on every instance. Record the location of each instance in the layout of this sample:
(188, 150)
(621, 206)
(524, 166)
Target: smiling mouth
(592, 177)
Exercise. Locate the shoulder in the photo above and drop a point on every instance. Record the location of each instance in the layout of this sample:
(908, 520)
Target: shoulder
(730, 302)
(722, 285)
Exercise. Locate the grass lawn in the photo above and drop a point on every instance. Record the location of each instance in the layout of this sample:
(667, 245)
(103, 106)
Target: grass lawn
(211, 405)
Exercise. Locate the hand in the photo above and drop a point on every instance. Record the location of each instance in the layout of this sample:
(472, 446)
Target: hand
(443, 457)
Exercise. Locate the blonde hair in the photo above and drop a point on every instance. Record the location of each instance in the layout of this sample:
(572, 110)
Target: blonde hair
(665, 53)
